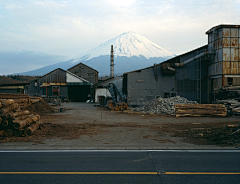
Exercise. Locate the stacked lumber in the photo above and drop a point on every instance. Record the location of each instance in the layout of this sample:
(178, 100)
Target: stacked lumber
(121, 106)
(23, 100)
(14, 121)
(200, 110)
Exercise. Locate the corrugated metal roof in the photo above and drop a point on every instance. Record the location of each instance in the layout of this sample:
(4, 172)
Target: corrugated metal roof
(222, 25)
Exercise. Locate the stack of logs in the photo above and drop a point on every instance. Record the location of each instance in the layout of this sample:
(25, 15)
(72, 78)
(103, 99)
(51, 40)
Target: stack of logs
(14, 121)
(230, 97)
(23, 100)
(121, 106)
(200, 110)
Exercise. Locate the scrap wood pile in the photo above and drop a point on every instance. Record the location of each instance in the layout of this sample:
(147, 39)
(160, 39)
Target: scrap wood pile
(230, 97)
(16, 122)
(121, 106)
(200, 110)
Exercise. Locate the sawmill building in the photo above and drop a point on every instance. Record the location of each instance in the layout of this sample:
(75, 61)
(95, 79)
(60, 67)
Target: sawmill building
(195, 75)
(60, 82)
(85, 72)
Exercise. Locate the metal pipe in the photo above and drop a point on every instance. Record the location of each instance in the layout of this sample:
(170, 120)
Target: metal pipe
(191, 59)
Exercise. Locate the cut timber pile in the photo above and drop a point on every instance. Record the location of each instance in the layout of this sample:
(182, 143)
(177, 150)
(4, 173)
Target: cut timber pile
(110, 105)
(121, 106)
(200, 110)
(14, 121)
(233, 106)
(230, 97)
(23, 100)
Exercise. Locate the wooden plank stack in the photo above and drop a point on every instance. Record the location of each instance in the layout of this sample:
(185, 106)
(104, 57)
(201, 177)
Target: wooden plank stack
(200, 110)
(14, 121)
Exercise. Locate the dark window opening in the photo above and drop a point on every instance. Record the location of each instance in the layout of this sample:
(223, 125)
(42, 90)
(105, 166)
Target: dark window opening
(230, 81)
(166, 95)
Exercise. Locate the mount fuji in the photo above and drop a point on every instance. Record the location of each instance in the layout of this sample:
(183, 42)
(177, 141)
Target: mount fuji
(131, 52)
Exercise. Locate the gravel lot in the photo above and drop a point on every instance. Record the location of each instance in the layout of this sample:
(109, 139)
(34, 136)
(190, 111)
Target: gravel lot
(83, 126)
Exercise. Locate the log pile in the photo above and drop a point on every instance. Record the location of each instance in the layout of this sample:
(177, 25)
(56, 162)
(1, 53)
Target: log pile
(23, 100)
(200, 110)
(233, 106)
(121, 106)
(230, 97)
(14, 121)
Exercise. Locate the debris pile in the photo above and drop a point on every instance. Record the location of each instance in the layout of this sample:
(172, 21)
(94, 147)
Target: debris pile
(209, 134)
(17, 122)
(41, 107)
(163, 105)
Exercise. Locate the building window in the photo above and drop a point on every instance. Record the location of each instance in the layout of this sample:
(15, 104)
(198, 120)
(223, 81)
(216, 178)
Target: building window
(55, 90)
(230, 81)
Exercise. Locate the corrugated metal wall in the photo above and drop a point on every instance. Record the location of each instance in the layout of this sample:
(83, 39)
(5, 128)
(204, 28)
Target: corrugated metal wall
(32, 89)
(142, 86)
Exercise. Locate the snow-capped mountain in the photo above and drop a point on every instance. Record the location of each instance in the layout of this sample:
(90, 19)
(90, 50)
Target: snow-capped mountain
(131, 52)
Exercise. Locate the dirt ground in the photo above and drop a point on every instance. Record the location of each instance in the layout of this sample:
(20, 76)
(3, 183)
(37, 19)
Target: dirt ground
(76, 122)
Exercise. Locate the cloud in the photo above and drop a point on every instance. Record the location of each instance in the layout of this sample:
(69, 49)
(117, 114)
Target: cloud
(22, 61)
(72, 27)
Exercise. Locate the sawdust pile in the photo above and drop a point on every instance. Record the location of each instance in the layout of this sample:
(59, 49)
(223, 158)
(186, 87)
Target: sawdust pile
(40, 107)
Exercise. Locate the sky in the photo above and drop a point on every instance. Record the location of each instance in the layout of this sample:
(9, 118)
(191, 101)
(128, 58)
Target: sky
(36, 33)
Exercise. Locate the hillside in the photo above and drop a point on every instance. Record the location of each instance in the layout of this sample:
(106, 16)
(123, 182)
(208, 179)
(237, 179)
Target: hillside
(14, 79)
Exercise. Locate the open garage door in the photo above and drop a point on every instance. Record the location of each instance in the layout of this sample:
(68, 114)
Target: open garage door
(79, 93)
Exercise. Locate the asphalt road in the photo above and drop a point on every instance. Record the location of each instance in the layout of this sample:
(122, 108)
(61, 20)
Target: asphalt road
(144, 166)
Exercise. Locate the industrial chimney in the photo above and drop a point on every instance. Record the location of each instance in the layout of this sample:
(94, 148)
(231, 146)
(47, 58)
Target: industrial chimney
(111, 63)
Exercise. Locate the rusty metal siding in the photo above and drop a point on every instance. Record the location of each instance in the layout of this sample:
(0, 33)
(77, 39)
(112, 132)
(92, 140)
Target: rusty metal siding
(234, 32)
(226, 32)
(227, 52)
(226, 67)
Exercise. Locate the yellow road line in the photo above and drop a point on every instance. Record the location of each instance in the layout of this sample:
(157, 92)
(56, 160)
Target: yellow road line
(204, 173)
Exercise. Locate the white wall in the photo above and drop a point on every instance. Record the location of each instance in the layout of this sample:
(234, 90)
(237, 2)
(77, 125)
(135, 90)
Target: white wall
(101, 92)
(71, 78)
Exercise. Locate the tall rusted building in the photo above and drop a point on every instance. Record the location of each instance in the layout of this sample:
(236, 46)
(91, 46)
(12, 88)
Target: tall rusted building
(194, 75)
(224, 42)
(85, 72)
